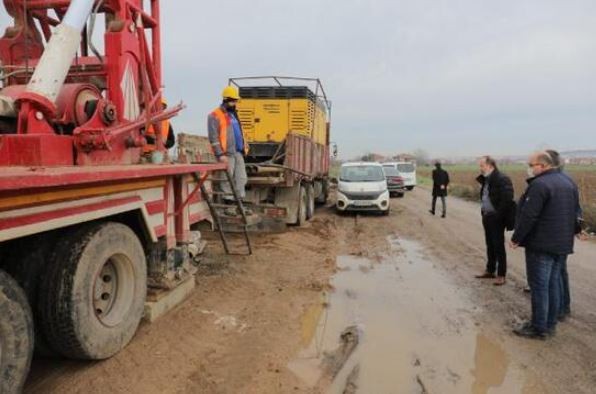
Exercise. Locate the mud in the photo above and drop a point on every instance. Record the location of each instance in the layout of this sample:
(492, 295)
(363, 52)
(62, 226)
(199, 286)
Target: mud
(266, 323)
(417, 331)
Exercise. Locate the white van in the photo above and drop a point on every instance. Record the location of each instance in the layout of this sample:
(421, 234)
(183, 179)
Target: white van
(407, 171)
(362, 187)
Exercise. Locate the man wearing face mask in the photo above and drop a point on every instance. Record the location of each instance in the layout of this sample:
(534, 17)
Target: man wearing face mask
(546, 227)
(496, 195)
(228, 141)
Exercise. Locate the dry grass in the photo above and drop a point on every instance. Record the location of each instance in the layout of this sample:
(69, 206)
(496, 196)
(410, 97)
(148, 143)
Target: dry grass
(463, 184)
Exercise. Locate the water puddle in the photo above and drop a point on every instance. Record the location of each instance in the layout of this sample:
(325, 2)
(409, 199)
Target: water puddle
(416, 333)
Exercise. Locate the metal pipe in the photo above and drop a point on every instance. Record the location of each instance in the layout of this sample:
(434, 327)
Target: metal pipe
(53, 66)
(77, 13)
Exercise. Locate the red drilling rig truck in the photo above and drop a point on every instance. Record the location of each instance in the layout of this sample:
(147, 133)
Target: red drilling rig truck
(92, 210)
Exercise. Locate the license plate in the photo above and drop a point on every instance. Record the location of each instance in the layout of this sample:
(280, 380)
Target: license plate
(362, 203)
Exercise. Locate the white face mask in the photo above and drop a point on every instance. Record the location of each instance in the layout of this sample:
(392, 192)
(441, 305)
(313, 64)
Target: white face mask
(530, 172)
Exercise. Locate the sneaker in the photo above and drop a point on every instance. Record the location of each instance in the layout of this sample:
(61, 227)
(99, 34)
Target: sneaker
(527, 330)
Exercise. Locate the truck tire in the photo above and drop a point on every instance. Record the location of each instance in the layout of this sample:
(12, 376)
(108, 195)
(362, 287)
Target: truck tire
(303, 207)
(322, 198)
(310, 201)
(16, 335)
(27, 263)
(93, 297)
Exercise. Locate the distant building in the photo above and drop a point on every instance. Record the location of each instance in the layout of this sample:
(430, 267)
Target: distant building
(404, 157)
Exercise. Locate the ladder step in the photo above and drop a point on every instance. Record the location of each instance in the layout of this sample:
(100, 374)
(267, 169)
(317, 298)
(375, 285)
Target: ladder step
(223, 206)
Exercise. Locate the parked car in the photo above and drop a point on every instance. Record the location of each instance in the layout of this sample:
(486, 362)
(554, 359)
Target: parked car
(395, 182)
(407, 171)
(362, 187)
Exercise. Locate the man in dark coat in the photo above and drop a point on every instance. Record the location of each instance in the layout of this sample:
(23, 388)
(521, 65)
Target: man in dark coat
(440, 183)
(496, 195)
(546, 227)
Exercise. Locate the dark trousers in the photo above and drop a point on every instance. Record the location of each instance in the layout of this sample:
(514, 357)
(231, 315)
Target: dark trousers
(544, 275)
(494, 234)
(565, 294)
(442, 201)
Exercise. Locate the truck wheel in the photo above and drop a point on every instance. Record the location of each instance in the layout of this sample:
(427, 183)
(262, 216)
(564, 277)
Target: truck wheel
(27, 264)
(322, 198)
(303, 208)
(16, 335)
(310, 203)
(94, 294)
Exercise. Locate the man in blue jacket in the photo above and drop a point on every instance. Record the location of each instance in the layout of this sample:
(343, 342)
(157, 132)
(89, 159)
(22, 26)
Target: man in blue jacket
(545, 227)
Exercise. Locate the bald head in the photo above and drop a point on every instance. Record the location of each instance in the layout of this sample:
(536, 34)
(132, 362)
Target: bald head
(540, 162)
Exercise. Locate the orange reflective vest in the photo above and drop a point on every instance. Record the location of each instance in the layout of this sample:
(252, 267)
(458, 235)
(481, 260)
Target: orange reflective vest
(224, 123)
(165, 128)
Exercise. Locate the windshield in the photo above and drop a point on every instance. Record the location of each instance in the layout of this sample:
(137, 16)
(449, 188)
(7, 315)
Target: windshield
(390, 171)
(363, 173)
(406, 167)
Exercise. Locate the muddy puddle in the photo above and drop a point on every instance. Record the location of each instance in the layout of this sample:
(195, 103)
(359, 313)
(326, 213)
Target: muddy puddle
(416, 333)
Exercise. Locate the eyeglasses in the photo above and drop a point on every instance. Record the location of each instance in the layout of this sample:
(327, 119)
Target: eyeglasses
(534, 164)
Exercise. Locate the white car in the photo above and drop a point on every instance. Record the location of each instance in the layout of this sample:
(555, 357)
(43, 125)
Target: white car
(406, 170)
(362, 187)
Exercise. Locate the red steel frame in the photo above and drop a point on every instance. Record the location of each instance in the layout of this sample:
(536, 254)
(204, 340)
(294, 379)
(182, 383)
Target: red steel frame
(40, 199)
(50, 178)
(127, 57)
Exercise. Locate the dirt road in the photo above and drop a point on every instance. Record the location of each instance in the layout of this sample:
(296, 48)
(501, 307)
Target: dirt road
(264, 324)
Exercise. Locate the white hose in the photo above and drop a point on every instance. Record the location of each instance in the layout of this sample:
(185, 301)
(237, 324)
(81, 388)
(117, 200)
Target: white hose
(53, 66)
(77, 13)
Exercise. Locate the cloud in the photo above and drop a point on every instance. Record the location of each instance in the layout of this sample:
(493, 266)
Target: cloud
(449, 76)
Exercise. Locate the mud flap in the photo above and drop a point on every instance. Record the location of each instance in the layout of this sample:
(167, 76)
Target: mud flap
(289, 198)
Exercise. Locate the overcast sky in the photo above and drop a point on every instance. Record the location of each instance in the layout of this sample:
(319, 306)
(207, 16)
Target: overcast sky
(452, 77)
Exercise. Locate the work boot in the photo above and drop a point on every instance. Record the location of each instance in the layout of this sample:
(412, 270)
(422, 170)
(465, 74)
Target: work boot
(527, 330)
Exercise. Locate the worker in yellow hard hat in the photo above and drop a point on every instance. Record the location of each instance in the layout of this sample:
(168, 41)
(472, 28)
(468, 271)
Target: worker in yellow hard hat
(167, 133)
(228, 140)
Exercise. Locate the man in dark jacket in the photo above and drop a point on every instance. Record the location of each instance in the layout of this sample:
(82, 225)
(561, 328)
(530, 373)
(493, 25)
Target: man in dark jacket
(565, 305)
(440, 183)
(546, 227)
(496, 195)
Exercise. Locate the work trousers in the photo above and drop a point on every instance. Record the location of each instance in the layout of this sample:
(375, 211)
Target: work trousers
(237, 171)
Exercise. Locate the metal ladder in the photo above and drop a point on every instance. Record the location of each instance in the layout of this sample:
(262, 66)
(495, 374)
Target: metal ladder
(216, 209)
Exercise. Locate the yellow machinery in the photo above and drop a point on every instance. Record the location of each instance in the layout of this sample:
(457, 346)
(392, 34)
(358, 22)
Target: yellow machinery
(272, 119)
(268, 113)
(287, 124)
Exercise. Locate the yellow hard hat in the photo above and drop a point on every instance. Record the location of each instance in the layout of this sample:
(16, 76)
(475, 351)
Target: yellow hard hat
(230, 92)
